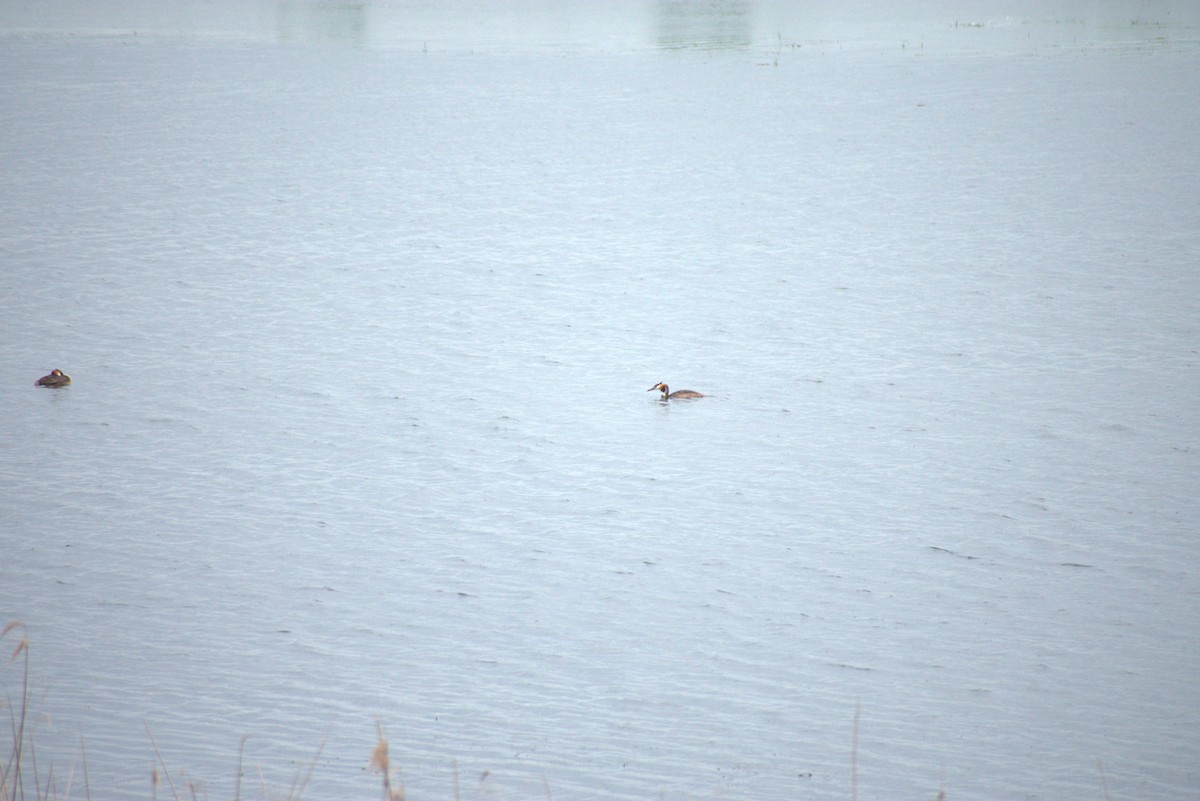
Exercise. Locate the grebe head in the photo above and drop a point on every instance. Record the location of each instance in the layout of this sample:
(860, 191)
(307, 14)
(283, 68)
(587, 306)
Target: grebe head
(665, 389)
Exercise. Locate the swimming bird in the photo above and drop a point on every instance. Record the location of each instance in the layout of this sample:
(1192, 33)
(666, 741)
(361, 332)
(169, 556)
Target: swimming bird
(57, 378)
(681, 393)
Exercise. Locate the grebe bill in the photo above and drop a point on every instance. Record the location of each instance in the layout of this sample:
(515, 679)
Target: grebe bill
(679, 393)
(57, 378)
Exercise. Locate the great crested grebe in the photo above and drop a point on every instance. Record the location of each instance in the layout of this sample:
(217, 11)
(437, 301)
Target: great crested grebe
(57, 378)
(680, 393)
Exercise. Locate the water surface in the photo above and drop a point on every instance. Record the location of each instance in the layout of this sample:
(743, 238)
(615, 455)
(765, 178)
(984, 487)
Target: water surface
(362, 301)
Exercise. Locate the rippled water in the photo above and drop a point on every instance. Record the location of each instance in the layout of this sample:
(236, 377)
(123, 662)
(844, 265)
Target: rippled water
(361, 303)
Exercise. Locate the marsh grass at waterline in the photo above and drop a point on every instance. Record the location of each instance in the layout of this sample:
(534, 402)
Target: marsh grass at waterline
(23, 779)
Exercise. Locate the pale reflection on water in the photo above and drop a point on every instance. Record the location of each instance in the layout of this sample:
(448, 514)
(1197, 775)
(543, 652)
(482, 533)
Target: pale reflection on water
(770, 26)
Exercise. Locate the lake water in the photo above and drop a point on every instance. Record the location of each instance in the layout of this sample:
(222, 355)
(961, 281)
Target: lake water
(361, 302)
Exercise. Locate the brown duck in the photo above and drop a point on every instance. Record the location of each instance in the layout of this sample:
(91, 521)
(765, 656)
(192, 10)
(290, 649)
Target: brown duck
(57, 378)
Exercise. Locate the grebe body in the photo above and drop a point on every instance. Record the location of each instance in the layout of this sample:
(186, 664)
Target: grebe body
(57, 378)
(667, 394)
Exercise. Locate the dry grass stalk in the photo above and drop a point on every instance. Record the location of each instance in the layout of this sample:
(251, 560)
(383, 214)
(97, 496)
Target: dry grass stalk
(297, 791)
(12, 783)
(166, 773)
(381, 762)
(854, 757)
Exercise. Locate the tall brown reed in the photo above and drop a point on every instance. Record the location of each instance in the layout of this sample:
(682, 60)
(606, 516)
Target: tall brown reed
(12, 780)
(381, 762)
